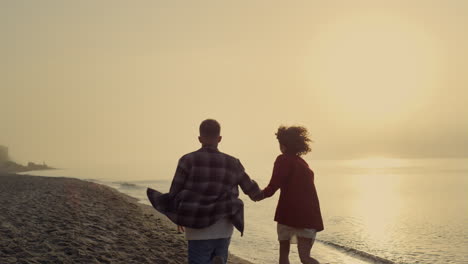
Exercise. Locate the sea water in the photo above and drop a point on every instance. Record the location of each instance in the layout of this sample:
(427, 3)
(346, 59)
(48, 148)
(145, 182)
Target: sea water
(374, 210)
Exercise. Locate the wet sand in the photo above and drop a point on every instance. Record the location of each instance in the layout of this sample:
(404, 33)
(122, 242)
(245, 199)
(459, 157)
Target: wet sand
(65, 220)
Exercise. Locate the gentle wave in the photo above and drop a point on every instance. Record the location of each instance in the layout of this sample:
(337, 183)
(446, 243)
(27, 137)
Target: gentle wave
(358, 253)
(128, 185)
(92, 180)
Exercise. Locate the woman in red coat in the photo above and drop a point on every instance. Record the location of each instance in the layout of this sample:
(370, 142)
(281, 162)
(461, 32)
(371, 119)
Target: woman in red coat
(298, 211)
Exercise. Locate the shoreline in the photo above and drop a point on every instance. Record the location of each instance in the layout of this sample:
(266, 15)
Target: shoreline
(68, 220)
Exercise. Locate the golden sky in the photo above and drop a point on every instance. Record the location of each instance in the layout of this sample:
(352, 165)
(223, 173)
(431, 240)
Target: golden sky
(114, 81)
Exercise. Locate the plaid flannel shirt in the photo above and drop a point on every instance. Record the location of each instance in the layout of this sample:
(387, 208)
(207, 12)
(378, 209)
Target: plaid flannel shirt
(205, 189)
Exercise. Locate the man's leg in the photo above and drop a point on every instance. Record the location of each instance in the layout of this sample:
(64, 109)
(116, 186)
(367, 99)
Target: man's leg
(222, 248)
(284, 252)
(200, 251)
(304, 245)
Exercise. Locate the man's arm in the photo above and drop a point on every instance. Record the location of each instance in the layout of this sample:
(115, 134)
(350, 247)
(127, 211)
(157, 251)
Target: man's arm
(249, 186)
(178, 183)
(180, 177)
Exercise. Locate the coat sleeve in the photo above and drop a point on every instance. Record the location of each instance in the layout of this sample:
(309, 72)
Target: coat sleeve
(279, 176)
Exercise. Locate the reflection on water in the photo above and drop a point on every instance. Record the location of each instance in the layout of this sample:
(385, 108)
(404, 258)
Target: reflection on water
(377, 163)
(377, 205)
(403, 210)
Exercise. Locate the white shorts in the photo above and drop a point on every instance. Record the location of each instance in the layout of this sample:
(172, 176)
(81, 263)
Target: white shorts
(291, 233)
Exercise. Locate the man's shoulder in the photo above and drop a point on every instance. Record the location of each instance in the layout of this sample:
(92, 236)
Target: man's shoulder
(229, 157)
(201, 152)
(187, 157)
(203, 155)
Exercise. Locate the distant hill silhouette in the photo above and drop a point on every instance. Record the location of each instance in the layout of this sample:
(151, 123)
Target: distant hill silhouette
(12, 167)
(7, 165)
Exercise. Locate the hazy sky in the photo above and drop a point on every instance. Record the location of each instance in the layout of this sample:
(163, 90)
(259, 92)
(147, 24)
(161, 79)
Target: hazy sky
(129, 81)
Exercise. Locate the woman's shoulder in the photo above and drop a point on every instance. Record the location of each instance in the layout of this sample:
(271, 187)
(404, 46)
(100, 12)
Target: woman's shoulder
(294, 159)
(286, 158)
(281, 157)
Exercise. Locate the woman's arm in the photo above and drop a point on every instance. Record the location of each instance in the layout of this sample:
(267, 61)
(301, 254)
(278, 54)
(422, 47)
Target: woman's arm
(280, 172)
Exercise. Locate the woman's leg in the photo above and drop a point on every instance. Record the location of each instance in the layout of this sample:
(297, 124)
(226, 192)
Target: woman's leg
(304, 245)
(284, 252)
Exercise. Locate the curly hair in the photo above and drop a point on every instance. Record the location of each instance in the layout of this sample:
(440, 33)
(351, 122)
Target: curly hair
(295, 139)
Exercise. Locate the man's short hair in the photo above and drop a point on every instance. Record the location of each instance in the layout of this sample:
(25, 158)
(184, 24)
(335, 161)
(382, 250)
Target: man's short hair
(210, 128)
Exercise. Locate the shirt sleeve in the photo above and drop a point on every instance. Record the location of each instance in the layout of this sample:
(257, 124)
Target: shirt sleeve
(180, 177)
(249, 186)
(280, 172)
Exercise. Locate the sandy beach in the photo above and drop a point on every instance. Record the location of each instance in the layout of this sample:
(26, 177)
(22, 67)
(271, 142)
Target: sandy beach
(65, 220)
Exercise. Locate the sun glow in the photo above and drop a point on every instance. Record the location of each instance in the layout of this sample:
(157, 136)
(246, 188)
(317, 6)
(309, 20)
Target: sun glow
(377, 163)
(377, 204)
(375, 67)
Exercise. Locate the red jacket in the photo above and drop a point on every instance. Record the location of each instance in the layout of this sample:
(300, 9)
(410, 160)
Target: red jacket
(298, 205)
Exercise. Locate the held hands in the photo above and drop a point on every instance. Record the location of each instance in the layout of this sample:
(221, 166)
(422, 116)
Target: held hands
(258, 197)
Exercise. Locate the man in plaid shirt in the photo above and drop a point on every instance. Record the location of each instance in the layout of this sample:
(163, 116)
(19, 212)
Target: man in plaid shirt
(204, 197)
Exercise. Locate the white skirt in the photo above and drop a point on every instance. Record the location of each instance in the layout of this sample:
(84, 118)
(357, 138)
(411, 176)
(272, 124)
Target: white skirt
(291, 233)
